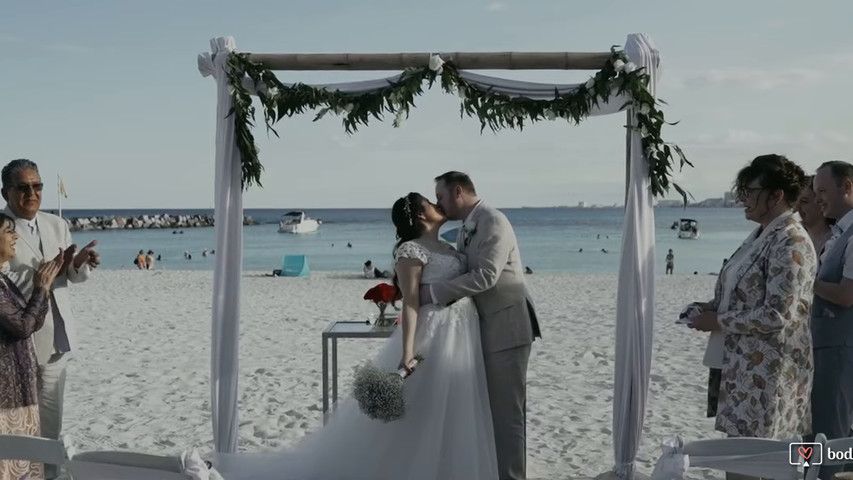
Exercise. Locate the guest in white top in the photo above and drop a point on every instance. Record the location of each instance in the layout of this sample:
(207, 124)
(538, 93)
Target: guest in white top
(818, 226)
(761, 365)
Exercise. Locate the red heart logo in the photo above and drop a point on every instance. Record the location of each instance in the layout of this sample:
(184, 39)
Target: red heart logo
(805, 452)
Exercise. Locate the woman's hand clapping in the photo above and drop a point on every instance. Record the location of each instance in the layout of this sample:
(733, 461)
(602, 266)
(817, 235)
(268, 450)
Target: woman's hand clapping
(47, 271)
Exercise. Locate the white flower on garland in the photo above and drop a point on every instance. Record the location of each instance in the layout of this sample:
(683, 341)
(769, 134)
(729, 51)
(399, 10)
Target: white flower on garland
(619, 65)
(630, 67)
(348, 108)
(589, 84)
(398, 119)
(549, 114)
(436, 64)
(462, 92)
(652, 150)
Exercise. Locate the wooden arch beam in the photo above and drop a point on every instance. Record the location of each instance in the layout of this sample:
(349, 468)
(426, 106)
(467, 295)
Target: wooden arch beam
(462, 60)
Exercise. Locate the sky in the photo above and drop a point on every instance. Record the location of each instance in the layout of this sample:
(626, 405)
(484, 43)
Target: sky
(108, 95)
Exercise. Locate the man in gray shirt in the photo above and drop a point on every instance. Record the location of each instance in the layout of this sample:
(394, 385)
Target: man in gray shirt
(832, 311)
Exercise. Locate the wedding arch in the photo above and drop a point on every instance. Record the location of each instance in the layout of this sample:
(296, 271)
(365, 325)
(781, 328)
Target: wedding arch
(625, 80)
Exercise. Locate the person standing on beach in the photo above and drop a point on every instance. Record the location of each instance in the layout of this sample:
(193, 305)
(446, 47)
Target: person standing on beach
(495, 280)
(670, 262)
(42, 235)
(139, 261)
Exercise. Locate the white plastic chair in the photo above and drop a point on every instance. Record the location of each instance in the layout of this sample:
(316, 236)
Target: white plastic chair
(106, 465)
(34, 449)
(759, 457)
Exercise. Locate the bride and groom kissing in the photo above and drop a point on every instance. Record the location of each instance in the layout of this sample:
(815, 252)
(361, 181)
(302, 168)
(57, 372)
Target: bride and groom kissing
(468, 313)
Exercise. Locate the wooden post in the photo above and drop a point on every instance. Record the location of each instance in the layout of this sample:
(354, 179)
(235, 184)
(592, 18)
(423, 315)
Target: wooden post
(462, 60)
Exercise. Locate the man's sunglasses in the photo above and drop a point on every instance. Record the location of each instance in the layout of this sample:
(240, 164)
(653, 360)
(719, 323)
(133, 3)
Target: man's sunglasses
(23, 187)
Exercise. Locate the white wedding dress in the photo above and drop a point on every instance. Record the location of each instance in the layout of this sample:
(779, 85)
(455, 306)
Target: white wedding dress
(446, 433)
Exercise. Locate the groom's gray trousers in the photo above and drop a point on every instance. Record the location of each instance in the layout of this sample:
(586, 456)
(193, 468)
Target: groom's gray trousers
(506, 376)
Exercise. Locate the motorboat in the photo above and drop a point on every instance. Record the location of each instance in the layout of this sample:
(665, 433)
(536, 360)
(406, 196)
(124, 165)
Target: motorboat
(297, 222)
(688, 229)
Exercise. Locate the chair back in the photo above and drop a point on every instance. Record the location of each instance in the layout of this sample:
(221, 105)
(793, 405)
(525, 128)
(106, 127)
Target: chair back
(34, 449)
(759, 457)
(756, 457)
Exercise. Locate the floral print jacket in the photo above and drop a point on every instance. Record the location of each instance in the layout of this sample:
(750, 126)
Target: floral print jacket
(767, 364)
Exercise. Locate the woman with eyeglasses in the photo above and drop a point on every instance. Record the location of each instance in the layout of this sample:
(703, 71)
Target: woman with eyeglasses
(760, 351)
(19, 319)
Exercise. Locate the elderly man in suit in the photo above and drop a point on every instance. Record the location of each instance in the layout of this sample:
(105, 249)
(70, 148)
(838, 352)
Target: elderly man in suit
(508, 324)
(42, 236)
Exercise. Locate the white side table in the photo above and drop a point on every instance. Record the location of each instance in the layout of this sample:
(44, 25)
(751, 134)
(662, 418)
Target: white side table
(333, 331)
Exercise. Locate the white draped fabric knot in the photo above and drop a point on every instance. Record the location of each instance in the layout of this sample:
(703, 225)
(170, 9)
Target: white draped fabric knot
(673, 463)
(194, 467)
(212, 63)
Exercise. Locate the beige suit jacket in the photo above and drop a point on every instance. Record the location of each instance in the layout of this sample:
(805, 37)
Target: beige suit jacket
(55, 234)
(495, 280)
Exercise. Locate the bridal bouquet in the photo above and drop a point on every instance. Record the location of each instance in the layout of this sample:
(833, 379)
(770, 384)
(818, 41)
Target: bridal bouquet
(379, 393)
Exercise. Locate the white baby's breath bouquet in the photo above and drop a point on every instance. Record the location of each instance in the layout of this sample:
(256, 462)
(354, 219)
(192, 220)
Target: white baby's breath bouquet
(379, 393)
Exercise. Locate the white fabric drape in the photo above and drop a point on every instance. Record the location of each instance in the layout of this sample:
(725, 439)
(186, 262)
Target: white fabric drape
(228, 264)
(635, 294)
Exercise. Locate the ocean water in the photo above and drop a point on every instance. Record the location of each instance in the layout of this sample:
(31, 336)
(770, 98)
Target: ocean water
(550, 239)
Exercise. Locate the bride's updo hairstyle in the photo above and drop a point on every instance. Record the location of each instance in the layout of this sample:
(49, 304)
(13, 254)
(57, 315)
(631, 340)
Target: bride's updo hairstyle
(404, 214)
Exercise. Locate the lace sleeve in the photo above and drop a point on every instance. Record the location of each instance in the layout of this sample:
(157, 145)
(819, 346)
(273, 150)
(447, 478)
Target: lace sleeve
(412, 250)
(20, 322)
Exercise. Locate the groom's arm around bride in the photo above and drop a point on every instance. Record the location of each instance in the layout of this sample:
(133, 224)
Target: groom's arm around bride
(508, 324)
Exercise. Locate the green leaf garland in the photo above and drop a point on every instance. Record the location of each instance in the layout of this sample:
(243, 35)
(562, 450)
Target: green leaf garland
(495, 111)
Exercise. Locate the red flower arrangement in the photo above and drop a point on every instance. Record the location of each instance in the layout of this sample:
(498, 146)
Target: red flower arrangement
(383, 294)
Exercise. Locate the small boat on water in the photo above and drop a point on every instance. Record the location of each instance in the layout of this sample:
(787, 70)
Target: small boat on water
(297, 222)
(688, 229)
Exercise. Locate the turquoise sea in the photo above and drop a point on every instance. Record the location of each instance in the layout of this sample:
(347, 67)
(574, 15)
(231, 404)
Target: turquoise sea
(550, 239)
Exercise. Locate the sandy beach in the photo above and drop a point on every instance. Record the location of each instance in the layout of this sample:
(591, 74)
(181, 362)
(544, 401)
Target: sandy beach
(140, 378)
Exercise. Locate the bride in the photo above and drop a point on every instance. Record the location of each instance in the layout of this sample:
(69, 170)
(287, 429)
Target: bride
(446, 433)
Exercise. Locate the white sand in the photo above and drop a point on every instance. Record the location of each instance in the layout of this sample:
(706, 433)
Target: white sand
(140, 378)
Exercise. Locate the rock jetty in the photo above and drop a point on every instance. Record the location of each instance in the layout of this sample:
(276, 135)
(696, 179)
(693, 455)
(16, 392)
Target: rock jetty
(144, 221)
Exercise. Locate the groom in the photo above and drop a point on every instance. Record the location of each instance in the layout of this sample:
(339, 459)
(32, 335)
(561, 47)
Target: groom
(508, 325)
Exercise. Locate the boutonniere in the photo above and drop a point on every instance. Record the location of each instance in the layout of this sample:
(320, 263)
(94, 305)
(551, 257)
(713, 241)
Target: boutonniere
(469, 229)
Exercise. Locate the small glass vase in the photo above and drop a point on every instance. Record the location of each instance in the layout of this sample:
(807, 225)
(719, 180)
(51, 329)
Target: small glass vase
(384, 320)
